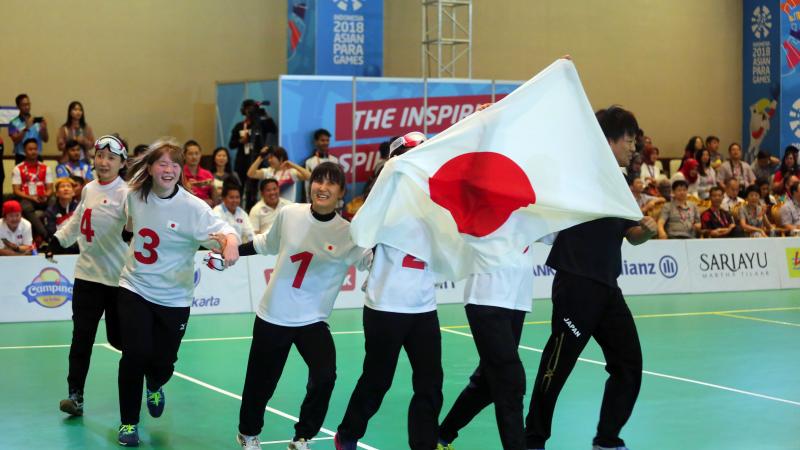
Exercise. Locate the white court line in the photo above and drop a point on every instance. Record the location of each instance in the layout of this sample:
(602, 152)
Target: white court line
(218, 390)
(661, 375)
(288, 441)
(232, 338)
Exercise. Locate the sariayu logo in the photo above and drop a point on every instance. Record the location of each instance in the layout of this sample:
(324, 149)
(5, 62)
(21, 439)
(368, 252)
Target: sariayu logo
(50, 289)
(572, 327)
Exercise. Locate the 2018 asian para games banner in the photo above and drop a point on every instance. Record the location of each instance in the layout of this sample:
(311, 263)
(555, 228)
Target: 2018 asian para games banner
(335, 37)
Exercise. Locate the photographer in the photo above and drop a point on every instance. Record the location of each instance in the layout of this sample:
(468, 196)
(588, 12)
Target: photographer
(24, 127)
(254, 132)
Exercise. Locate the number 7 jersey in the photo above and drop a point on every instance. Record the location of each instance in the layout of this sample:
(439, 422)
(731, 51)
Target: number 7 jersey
(313, 259)
(97, 227)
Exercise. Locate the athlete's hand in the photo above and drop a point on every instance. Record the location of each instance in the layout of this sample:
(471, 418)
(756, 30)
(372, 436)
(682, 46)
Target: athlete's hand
(231, 250)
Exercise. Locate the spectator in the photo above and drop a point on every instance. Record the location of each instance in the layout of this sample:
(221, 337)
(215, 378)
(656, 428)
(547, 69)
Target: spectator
(765, 166)
(140, 149)
(25, 127)
(731, 199)
(646, 202)
(715, 221)
(2, 169)
(706, 176)
(694, 145)
(33, 184)
(199, 180)
(78, 183)
(787, 184)
(73, 164)
(15, 232)
(789, 167)
(767, 199)
(651, 171)
(752, 216)
(62, 209)
(664, 189)
(634, 169)
(322, 140)
(232, 214)
(712, 144)
(688, 173)
(266, 210)
(76, 129)
(736, 168)
(679, 219)
(222, 170)
(247, 136)
(280, 168)
(790, 211)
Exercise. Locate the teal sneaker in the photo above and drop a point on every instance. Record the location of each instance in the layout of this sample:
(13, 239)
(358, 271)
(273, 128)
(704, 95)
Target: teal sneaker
(129, 435)
(155, 402)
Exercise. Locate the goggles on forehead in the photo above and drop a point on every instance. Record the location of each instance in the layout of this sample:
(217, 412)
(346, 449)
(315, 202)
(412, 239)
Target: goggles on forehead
(113, 144)
(408, 140)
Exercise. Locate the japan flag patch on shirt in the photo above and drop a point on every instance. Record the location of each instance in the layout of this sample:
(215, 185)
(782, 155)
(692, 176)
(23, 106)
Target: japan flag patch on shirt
(330, 248)
(173, 225)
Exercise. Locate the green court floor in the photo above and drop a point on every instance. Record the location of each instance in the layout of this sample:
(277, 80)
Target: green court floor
(722, 372)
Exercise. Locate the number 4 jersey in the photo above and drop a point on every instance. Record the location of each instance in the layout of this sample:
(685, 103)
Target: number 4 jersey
(313, 259)
(97, 227)
(167, 232)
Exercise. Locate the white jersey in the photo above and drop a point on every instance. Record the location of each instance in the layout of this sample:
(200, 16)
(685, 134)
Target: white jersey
(400, 283)
(21, 236)
(97, 227)
(262, 216)
(159, 265)
(313, 259)
(510, 288)
(238, 220)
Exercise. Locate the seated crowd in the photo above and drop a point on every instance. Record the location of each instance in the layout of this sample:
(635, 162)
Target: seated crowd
(708, 197)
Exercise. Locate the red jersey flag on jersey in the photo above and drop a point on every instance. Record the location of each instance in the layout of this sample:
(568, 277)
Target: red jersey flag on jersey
(467, 200)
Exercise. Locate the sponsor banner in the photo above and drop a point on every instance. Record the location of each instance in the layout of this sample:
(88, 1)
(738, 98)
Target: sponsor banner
(655, 267)
(220, 292)
(787, 252)
(789, 56)
(38, 290)
(718, 265)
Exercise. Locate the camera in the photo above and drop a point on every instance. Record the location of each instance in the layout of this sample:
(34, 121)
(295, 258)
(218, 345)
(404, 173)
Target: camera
(38, 119)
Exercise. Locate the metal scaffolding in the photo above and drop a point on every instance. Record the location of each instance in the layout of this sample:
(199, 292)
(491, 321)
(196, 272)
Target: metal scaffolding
(447, 38)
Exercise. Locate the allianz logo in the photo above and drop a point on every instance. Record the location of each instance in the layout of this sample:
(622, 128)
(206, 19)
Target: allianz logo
(667, 267)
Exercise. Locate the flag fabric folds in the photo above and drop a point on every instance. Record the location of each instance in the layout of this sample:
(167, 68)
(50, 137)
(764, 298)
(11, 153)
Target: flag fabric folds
(471, 199)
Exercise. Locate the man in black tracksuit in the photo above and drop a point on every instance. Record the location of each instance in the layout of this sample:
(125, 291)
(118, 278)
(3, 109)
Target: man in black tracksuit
(588, 303)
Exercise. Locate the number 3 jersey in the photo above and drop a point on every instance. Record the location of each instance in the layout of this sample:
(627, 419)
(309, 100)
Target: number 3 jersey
(313, 260)
(167, 232)
(97, 227)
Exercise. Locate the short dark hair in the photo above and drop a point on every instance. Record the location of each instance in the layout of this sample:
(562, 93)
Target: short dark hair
(28, 141)
(70, 143)
(139, 149)
(190, 143)
(711, 139)
(752, 188)
(732, 144)
(715, 189)
(279, 152)
(19, 98)
(263, 183)
(678, 183)
(329, 171)
(617, 122)
(384, 149)
(762, 155)
(230, 186)
(729, 179)
(77, 179)
(321, 132)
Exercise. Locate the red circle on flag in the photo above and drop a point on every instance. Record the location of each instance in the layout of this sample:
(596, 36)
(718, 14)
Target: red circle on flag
(172, 225)
(481, 190)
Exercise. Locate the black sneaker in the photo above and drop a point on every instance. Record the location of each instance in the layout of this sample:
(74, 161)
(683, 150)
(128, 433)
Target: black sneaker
(72, 405)
(155, 402)
(128, 435)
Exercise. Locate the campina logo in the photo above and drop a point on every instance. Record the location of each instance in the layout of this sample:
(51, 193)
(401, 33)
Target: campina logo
(50, 289)
(761, 22)
(793, 262)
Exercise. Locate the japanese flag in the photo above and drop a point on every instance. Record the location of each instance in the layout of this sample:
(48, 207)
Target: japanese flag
(467, 200)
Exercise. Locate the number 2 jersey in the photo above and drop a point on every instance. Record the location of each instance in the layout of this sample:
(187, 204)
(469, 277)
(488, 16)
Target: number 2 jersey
(399, 283)
(313, 260)
(97, 227)
(167, 232)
